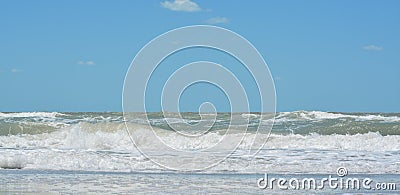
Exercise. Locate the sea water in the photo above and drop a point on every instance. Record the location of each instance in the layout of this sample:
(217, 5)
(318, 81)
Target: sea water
(92, 152)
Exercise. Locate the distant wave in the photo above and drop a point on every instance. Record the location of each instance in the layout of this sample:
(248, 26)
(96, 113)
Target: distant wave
(30, 114)
(298, 122)
(318, 115)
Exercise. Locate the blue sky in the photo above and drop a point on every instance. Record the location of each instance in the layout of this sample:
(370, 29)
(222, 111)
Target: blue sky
(323, 55)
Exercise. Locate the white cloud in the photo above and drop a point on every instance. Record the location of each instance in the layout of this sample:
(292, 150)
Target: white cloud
(89, 63)
(217, 20)
(373, 48)
(181, 5)
(15, 70)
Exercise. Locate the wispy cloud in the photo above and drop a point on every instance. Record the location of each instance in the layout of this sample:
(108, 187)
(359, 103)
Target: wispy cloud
(217, 20)
(181, 5)
(88, 63)
(372, 48)
(15, 70)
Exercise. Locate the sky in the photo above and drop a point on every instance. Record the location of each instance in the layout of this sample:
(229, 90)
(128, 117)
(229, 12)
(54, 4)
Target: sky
(323, 55)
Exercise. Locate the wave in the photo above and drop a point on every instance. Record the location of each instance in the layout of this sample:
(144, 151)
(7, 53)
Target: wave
(111, 136)
(319, 115)
(31, 114)
(298, 122)
(303, 140)
(107, 147)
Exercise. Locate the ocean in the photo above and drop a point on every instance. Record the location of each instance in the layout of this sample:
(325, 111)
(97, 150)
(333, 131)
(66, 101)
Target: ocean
(93, 152)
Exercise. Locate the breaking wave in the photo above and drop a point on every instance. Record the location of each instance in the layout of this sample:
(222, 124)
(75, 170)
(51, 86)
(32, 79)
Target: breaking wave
(302, 140)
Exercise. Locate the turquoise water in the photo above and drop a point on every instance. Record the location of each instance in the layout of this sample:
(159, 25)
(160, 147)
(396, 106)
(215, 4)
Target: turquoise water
(299, 122)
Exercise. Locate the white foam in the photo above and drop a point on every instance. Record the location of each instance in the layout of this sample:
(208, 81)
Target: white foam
(250, 115)
(31, 114)
(113, 136)
(107, 147)
(13, 161)
(360, 142)
(319, 115)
